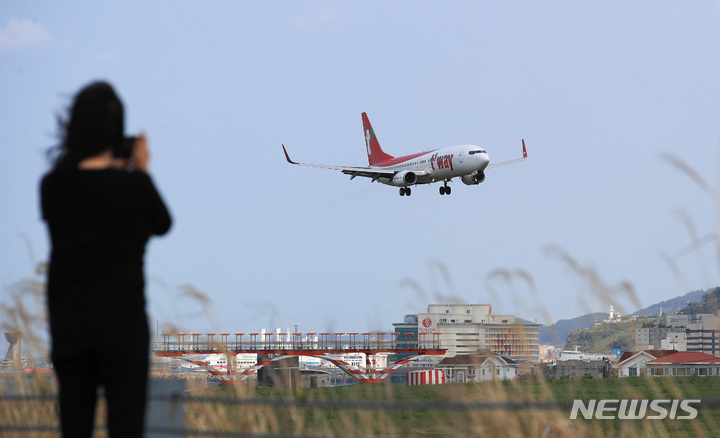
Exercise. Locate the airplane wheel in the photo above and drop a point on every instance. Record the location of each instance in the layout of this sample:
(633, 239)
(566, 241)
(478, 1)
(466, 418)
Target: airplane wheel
(442, 190)
(408, 191)
(448, 190)
(402, 191)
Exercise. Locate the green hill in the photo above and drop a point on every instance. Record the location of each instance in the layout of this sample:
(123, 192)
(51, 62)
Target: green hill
(710, 303)
(676, 304)
(604, 337)
(556, 334)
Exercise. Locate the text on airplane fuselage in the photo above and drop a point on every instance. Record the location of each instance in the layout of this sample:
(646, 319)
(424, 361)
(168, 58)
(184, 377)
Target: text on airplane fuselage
(443, 161)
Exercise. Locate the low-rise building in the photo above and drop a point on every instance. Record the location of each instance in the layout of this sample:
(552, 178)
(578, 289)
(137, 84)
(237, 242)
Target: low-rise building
(685, 363)
(586, 368)
(632, 363)
(674, 341)
(678, 320)
(316, 378)
(464, 368)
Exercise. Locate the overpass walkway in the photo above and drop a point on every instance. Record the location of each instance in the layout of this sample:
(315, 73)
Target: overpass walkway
(276, 346)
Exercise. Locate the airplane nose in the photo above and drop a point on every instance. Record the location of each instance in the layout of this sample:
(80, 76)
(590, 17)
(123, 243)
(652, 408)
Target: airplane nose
(483, 161)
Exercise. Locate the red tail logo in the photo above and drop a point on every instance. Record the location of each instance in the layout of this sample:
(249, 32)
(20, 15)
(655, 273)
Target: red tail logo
(374, 151)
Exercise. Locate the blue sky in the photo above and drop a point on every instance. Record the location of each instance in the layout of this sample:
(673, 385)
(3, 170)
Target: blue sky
(600, 92)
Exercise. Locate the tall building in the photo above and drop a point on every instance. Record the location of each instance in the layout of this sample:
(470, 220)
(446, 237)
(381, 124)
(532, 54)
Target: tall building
(693, 333)
(703, 334)
(650, 338)
(473, 329)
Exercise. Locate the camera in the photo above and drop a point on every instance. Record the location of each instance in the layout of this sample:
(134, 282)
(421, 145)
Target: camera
(125, 148)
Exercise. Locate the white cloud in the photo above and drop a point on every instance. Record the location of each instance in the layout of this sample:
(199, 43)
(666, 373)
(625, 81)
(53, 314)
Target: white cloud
(20, 34)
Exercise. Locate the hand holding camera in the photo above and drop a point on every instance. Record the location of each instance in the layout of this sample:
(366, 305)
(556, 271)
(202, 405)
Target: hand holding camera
(133, 151)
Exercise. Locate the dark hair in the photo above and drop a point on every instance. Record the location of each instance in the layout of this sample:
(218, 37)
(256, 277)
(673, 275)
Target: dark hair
(96, 121)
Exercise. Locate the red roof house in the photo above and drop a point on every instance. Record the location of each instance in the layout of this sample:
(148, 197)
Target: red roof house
(632, 363)
(685, 363)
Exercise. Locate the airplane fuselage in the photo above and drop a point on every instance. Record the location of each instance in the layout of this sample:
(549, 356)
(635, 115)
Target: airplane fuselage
(437, 165)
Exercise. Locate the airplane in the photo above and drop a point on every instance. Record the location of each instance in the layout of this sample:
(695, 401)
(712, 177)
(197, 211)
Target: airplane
(468, 162)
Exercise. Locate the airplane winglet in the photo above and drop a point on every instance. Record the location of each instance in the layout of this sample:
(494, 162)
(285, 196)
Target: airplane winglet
(524, 150)
(287, 157)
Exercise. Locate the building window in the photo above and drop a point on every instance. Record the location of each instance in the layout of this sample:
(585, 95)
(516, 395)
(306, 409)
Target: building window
(632, 372)
(680, 372)
(702, 371)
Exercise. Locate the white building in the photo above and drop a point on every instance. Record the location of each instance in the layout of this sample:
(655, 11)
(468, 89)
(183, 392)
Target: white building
(632, 363)
(465, 368)
(674, 341)
(473, 329)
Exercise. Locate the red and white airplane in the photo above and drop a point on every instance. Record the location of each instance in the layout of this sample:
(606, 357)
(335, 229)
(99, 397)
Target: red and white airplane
(468, 162)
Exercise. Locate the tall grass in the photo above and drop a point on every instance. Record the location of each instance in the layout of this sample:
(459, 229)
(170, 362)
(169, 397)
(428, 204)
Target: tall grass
(519, 408)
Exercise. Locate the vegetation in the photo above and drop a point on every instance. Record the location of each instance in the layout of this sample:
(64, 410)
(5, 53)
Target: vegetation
(710, 303)
(532, 407)
(603, 338)
(556, 334)
(519, 408)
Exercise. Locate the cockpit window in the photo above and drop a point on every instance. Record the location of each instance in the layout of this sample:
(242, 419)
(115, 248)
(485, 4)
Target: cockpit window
(479, 151)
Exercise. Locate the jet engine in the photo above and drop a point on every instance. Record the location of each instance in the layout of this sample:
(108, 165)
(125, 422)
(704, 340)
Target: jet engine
(474, 178)
(404, 179)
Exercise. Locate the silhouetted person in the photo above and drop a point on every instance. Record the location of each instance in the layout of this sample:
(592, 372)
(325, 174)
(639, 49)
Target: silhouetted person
(100, 211)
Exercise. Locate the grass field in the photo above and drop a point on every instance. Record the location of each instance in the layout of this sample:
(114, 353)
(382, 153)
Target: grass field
(514, 409)
(520, 408)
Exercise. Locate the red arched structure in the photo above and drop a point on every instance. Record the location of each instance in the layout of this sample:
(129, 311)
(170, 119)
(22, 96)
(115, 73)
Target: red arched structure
(317, 345)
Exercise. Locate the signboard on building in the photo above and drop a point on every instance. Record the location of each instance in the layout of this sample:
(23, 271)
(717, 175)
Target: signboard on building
(427, 323)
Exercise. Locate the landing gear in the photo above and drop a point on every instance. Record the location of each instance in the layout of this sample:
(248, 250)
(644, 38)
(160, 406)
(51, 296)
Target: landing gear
(445, 189)
(405, 191)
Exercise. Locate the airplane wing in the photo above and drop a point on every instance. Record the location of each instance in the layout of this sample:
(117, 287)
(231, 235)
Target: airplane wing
(517, 160)
(368, 172)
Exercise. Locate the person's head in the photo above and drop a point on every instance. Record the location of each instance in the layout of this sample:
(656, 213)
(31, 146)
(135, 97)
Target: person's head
(96, 122)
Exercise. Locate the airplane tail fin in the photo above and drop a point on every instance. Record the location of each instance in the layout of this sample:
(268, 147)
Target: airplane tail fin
(374, 151)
